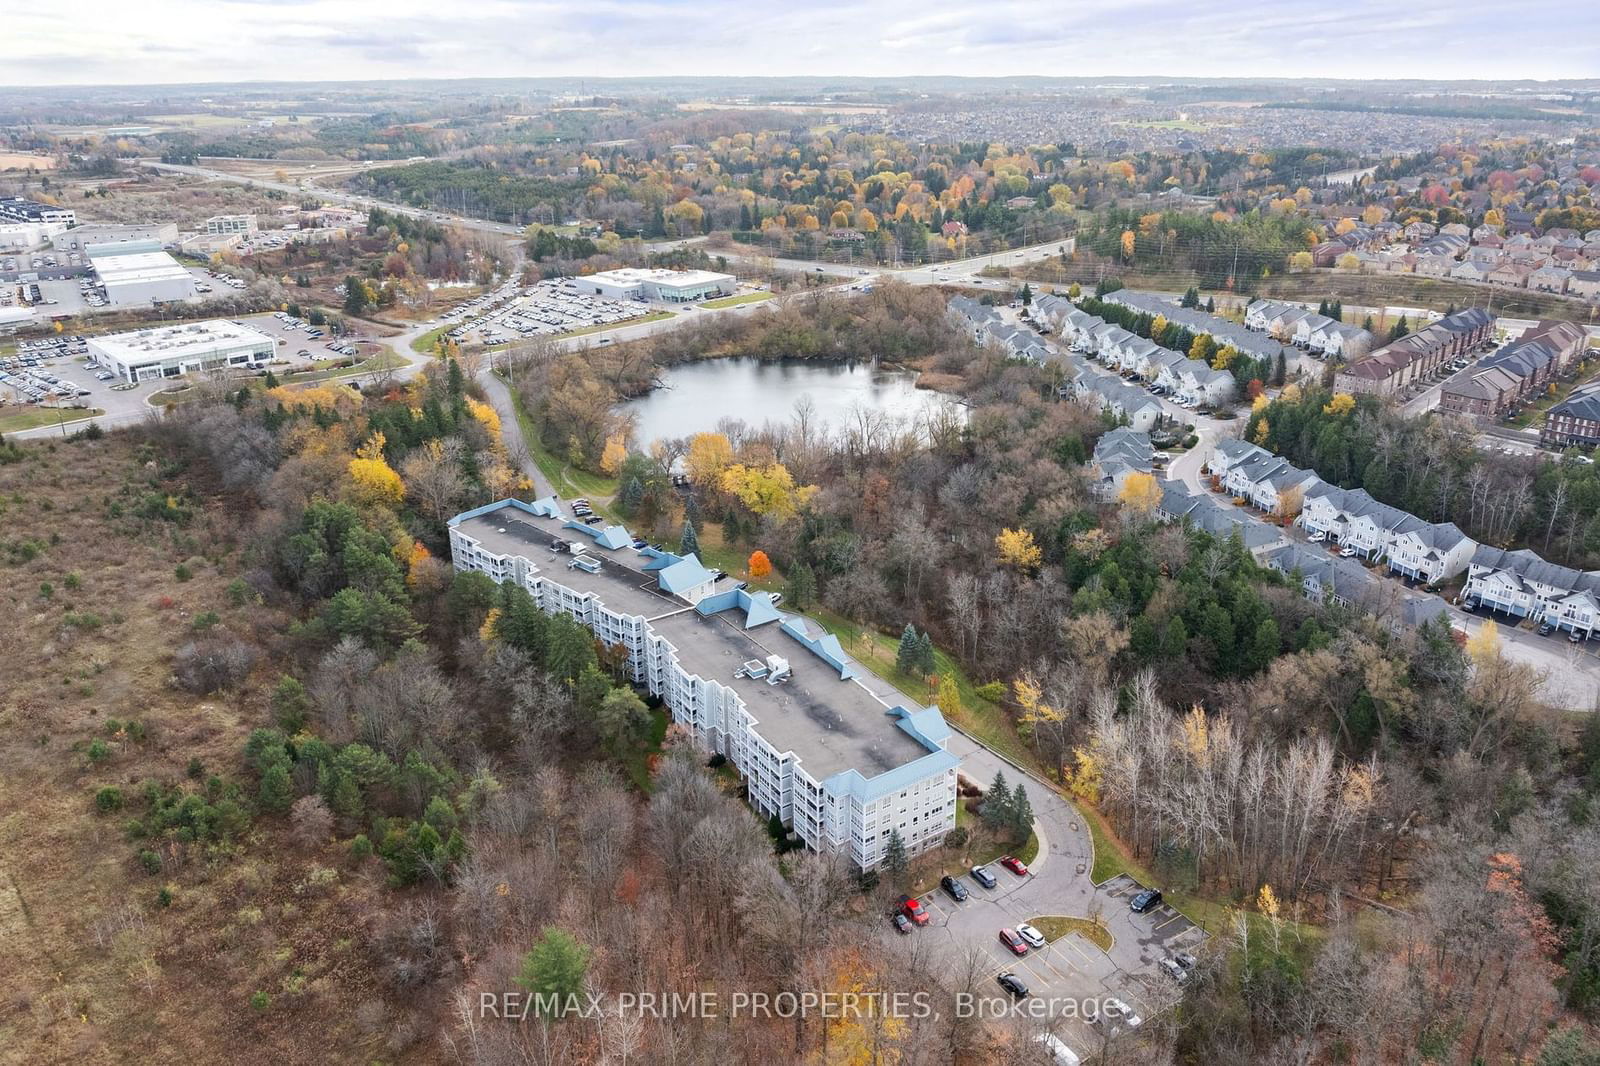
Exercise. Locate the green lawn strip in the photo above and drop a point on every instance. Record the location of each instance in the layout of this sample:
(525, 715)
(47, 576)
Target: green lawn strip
(1055, 926)
(381, 361)
(653, 316)
(45, 416)
(734, 301)
(428, 342)
(636, 763)
(567, 481)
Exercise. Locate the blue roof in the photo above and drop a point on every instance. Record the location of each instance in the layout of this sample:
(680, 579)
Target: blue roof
(824, 646)
(659, 560)
(612, 537)
(683, 575)
(546, 508)
(927, 725)
(758, 608)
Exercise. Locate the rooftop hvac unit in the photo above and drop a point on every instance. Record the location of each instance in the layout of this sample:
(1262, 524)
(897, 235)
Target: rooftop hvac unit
(777, 670)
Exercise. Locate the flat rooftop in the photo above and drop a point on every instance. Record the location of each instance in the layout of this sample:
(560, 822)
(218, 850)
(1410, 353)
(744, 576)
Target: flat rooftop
(829, 723)
(173, 341)
(631, 275)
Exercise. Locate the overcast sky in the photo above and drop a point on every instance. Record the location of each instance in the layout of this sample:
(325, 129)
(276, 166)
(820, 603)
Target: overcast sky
(160, 41)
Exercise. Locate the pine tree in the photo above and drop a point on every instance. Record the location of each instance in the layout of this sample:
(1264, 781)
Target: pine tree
(802, 586)
(1322, 308)
(689, 544)
(996, 809)
(1336, 310)
(925, 661)
(1021, 814)
(691, 513)
(730, 527)
(907, 657)
(1211, 305)
(632, 495)
(276, 790)
(1280, 370)
(271, 380)
(895, 859)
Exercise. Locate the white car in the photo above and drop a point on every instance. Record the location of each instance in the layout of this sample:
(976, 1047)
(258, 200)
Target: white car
(1060, 1053)
(1034, 938)
(1116, 1013)
(1318, 537)
(1346, 553)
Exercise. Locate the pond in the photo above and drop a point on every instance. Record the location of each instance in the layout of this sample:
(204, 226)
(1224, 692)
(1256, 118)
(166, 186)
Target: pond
(694, 397)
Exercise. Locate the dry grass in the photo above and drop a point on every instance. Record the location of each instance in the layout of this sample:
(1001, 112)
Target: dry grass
(97, 971)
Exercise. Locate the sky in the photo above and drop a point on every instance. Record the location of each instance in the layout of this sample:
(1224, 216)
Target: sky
(98, 42)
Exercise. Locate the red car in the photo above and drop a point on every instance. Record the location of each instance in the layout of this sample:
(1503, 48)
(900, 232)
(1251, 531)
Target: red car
(1015, 865)
(1010, 939)
(914, 910)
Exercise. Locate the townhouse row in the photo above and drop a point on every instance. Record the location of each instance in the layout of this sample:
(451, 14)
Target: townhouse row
(840, 758)
(1413, 357)
(1188, 381)
(1516, 373)
(1327, 338)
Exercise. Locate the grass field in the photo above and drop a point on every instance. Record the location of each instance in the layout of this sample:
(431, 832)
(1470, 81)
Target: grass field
(734, 301)
(1054, 926)
(21, 420)
(636, 763)
(425, 344)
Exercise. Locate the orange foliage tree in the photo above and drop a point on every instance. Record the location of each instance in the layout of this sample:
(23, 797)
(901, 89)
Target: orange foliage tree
(760, 565)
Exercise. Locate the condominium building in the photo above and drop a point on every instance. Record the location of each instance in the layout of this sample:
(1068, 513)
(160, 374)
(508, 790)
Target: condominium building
(840, 757)
(19, 209)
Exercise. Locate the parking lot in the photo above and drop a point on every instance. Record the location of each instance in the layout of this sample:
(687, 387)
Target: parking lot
(549, 308)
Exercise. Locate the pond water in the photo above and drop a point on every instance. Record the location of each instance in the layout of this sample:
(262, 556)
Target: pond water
(694, 397)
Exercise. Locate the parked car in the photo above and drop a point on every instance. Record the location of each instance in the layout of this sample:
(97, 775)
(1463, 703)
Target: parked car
(1015, 865)
(1013, 984)
(912, 908)
(1347, 553)
(1115, 1013)
(1034, 938)
(775, 597)
(1545, 629)
(1147, 900)
(1575, 637)
(1012, 941)
(982, 875)
(1318, 537)
(953, 888)
(1184, 959)
(1172, 969)
(902, 924)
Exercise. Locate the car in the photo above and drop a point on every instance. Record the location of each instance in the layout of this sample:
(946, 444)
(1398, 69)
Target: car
(1014, 943)
(640, 542)
(1545, 629)
(1014, 864)
(1184, 959)
(953, 888)
(1174, 970)
(593, 520)
(912, 908)
(1347, 553)
(902, 924)
(1470, 606)
(1575, 637)
(1012, 984)
(982, 875)
(1147, 900)
(1034, 938)
(1060, 1053)
(1115, 1013)
(1318, 537)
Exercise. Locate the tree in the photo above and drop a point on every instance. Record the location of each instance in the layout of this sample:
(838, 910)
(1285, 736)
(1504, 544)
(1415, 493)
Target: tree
(709, 455)
(925, 660)
(1484, 645)
(623, 717)
(614, 455)
(1140, 493)
(895, 860)
(767, 490)
(688, 542)
(376, 483)
(996, 809)
(760, 565)
(949, 696)
(802, 587)
(1017, 550)
(1026, 295)
(290, 704)
(554, 971)
(1021, 814)
(905, 658)
(277, 792)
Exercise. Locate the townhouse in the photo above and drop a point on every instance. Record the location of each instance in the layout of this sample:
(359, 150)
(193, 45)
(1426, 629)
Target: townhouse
(817, 747)
(1118, 454)
(1520, 583)
(1414, 356)
(1352, 518)
(973, 318)
(1575, 421)
(1270, 483)
(1199, 511)
(1585, 283)
(1330, 580)
(1132, 406)
(1324, 336)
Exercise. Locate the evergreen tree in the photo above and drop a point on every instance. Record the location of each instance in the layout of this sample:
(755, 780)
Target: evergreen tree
(271, 380)
(1211, 305)
(276, 790)
(1366, 323)
(1026, 295)
(1322, 308)
(925, 661)
(895, 859)
(1021, 814)
(996, 809)
(730, 527)
(802, 587)
(691, 513)
(631, 497)
(689, 544)
(907, 657)
(1280, 370)
(555, 969)
(1336, 311)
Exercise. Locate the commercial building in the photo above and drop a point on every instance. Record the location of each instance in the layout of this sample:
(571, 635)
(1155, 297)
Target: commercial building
(139, 273)
(18, 209)
(666, 286)
(838, 756)
(223, 225)
(26, 236)
(172, 351)
(80, 237)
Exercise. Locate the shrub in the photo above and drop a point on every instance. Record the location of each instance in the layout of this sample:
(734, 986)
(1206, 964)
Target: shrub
(994, 691)
(46, 590)
(260, 1000)
(108, 799)
(360, 848)
(203, 666)
(238, 593)
(197, 769)
(164, 897)
(150, 861)
(98, 752)
(182, 572)
(204, 621)
(72, 581)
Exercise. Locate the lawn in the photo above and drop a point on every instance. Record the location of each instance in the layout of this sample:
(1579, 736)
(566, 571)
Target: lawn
(567, 481)
(384, 360)
(734, 301)
(46, 416)
(428, 342)
(985, 721)
(1054, 926)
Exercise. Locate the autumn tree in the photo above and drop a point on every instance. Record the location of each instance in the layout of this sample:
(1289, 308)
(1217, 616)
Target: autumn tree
(1140, 493)
(614, 455)
(1016, 549)
(760, 566)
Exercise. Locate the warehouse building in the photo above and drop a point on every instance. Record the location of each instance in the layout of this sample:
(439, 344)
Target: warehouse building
(80, 237)
(172, 351)
(19, 209)
(838, 756)
(665, 286)
(139, 273)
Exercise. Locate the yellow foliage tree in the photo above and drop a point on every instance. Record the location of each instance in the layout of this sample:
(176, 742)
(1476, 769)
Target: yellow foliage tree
(377, 483)
(1224, 357)
(1086, 778)
(614, 455)
(491, 622)
(1262, 429)
(373, 448)
(1140, 493)
(488, 416)
(1484, 645)
(709, 455)
(1259, 403)
(419, 556)
(1341, 404)
(1158, 326)
(1017, 550)
(949, 696)
(768, 490)
(1127, 244)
